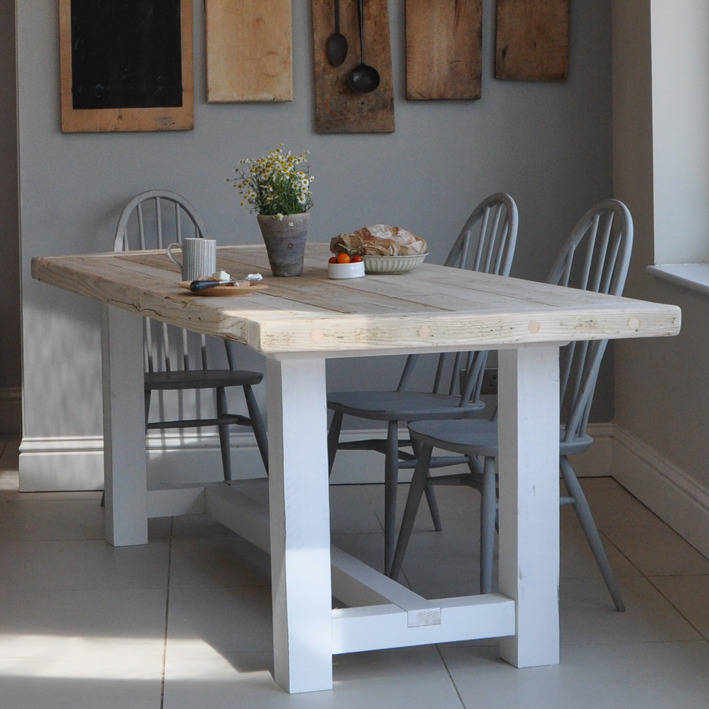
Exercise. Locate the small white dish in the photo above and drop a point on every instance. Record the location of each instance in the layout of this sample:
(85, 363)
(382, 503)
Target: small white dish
(345, 270)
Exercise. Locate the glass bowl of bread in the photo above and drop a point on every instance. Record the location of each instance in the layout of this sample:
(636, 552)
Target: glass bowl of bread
(385, 249)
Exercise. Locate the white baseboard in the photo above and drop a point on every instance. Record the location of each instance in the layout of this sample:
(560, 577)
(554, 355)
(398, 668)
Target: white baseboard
(76, 463)
(10, 410)
(674, 496)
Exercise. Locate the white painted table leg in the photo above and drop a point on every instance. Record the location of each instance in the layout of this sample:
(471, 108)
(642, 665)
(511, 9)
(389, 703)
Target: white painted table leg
(125, 476)
(529, 501)
(299, 525)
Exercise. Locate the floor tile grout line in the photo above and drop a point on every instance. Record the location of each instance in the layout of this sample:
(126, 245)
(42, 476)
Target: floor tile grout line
(653, 513)
(642, 526)
(167, 615)
(607, 541)
(648, 578)
(373, 509)
(631, 643)
(677, 608)
(450, 676)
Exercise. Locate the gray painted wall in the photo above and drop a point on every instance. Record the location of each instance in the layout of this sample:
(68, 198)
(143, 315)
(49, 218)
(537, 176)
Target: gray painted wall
(549, 145)
(9, 242)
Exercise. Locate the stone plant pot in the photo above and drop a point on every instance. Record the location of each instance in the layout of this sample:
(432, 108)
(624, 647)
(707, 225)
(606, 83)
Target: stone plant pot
(285, 241)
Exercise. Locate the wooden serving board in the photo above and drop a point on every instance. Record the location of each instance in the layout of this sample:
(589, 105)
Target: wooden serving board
(532, 41)
(221, 291)
(443, 49)
(337, 108)
(249, 50)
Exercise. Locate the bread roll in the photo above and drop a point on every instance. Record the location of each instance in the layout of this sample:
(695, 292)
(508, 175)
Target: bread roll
(379, 240)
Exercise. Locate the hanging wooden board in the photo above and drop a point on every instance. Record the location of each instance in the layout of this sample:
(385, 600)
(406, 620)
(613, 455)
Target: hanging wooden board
(532, 41)
(337, 108)
(443, 49)
(249, 50)
(126, 66)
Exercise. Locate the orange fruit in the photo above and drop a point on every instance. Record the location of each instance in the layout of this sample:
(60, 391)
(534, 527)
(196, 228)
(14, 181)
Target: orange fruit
(343, 258)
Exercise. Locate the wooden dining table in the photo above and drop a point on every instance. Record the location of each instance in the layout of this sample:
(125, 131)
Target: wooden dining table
(297, 324)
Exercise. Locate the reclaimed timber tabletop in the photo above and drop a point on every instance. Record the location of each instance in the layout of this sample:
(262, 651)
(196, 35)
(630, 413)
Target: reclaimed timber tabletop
(432, 308)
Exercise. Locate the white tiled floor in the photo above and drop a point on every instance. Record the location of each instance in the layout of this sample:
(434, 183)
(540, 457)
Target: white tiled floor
(184, 622)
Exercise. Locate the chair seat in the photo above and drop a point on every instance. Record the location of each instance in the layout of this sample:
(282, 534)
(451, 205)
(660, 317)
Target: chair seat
(479, 437)
(400, 405)
(201, 379)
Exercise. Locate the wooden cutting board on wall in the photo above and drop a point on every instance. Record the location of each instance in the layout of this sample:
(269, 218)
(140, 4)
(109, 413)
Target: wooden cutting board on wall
(249, 50)
(337, 108)
(532, 40)
(443, 49)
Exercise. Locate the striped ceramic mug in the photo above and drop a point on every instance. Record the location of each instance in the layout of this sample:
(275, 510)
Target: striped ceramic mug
(199, 257)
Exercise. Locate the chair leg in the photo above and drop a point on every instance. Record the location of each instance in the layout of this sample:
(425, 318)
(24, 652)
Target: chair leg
(418, 485)
(257, 424)
(583, 512)
(430, 496)
(488, 510)
(433, 507)
(224, 433)
(391, 482)
(333, 438)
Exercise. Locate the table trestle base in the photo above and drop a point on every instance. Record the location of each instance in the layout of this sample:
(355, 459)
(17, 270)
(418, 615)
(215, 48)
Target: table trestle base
(381, 613)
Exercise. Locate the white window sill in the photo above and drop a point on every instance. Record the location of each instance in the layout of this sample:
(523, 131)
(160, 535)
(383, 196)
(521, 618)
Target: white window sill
(694, 276)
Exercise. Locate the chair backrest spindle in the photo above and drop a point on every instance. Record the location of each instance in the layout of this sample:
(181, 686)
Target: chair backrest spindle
(178, 222)
(604, 270)
(141, 226)
(132, 216)
(489, 248)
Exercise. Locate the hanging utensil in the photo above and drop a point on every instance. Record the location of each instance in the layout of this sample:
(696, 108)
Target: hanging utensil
(336, 43)
(363, 78)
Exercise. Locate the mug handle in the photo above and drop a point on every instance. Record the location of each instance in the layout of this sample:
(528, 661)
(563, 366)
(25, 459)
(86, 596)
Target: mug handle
(174, 245)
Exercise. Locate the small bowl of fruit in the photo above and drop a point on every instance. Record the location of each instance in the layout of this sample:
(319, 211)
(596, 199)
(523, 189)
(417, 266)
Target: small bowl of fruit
(342, 265)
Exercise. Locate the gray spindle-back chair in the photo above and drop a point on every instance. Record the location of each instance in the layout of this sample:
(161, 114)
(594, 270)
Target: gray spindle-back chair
(595, 258)
(154, 219)
(486, 243)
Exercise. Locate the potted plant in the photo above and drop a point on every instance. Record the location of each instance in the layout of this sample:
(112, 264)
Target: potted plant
(277, 188)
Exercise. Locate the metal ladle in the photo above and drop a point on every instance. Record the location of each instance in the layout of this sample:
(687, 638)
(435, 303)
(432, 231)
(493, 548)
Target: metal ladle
(363, 78)
(336, 43)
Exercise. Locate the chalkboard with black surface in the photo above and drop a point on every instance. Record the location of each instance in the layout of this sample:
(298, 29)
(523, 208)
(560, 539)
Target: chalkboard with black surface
(125, 54)
(126, 66)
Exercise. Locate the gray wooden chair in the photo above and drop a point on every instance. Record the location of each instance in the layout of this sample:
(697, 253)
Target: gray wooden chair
(486, 243)
(602, 242)
(153, 220)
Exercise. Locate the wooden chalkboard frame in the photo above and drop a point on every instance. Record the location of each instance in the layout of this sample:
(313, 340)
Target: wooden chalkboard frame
(98, 120)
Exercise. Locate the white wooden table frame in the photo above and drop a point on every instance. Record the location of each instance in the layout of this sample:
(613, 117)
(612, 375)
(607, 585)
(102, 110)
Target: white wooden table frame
(306, 570)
